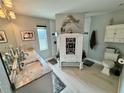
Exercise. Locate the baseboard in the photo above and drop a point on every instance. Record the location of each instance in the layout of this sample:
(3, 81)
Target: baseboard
(95, 61)
(119, 85)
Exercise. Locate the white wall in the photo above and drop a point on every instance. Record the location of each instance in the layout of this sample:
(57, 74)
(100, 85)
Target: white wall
(29, 23)
(53, 38)
(13, 31)
(6, 26)
(87, 27)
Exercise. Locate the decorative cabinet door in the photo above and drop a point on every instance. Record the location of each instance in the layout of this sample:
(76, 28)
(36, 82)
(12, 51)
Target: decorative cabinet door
(109, 34)
(119, 37)
(71, 47)
(114, 33)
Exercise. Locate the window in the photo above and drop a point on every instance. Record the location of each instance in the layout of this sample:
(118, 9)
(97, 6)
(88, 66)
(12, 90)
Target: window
(42, 37)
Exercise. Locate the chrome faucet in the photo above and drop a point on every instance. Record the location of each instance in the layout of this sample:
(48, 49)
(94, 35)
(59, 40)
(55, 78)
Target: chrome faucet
(9, 58)
(21, 57)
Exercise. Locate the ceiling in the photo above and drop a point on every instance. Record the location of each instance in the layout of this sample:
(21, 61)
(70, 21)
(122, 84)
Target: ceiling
(48, 8)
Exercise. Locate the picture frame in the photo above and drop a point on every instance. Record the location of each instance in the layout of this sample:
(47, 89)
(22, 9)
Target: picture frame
(28, 35)
(3, 38)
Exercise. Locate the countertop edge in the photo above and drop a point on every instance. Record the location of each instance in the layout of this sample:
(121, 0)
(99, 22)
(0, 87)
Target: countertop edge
(34, 80)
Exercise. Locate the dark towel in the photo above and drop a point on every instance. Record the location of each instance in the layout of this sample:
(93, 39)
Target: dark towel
(57, 55)
(88, 63)
(93, 40)
(53, 61)
(83, 55)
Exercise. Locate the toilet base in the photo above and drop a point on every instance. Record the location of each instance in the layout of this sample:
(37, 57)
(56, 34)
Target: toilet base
(106, 71)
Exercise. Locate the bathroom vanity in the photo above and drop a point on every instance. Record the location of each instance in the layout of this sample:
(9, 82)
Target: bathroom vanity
(35, 76)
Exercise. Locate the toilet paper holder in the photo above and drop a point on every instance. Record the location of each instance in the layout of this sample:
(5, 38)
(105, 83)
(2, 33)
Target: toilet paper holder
(121, 61)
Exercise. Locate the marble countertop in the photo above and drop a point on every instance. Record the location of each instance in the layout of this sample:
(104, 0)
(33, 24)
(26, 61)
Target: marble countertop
(34, 69)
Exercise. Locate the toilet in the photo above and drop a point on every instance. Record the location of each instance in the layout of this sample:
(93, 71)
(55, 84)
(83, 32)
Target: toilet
(109, 62)
(107, 65)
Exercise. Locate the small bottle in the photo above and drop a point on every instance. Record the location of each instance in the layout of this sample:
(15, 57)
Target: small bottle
(18, 51)
(22, 55)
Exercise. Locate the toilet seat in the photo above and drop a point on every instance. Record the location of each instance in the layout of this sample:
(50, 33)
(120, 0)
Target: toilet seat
(108, 63)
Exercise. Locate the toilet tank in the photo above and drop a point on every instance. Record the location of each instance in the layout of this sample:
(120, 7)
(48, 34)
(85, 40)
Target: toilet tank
(111, 56)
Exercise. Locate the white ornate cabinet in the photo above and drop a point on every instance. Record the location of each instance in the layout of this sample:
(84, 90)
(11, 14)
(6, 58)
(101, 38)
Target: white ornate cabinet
(70, 48)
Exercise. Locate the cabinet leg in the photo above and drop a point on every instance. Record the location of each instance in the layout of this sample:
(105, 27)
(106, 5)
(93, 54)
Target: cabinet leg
(81, 66)
(60, 64)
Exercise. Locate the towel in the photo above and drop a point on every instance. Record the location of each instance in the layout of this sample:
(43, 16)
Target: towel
(93, 40)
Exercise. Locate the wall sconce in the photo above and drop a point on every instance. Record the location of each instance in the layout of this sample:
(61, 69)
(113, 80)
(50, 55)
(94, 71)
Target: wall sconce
(6, 8)
(2, 15)
(8, 3)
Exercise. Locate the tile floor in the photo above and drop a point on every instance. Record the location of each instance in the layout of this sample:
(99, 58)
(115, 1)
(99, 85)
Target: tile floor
(89, 80)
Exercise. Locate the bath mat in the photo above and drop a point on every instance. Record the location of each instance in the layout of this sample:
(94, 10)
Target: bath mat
(88, 63)
(53, 61)
(58, 85)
